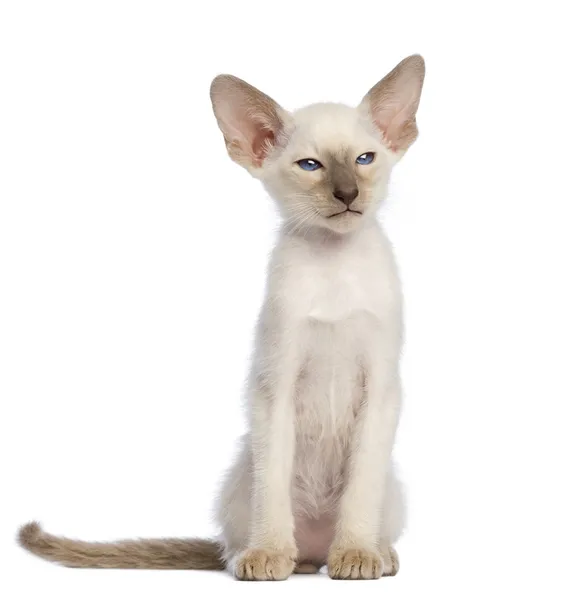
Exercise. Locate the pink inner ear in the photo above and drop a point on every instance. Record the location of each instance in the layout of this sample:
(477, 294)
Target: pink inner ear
(262, 142)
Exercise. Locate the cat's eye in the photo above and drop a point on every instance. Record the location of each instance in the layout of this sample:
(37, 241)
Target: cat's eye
(366, 158)
(309, 164)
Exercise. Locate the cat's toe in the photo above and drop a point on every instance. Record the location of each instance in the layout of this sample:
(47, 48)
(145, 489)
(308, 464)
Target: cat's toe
(265, 565)
(355, 564)
(391, 561)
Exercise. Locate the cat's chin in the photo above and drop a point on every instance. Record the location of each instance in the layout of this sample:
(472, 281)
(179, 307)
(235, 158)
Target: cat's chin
(326, 228)
(344, 222)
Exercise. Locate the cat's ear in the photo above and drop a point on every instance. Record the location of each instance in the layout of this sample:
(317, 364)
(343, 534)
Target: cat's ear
(251, 122)
(392, 103)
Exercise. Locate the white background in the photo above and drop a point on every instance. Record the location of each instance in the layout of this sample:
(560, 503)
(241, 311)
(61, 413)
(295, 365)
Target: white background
(132, 256)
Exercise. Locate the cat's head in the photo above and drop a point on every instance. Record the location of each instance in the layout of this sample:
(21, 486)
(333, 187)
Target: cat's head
(325, 165)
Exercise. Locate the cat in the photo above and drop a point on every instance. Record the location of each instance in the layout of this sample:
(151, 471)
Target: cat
(314, 483)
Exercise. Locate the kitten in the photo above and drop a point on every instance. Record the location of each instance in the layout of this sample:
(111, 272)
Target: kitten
(313, 484)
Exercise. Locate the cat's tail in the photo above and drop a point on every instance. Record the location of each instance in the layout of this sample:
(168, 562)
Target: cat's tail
(170, 553)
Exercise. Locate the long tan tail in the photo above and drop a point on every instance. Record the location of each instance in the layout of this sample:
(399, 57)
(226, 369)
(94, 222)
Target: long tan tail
(125, 554)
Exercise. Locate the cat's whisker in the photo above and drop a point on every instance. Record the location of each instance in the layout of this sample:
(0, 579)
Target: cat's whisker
(297, 226)
(310, 219)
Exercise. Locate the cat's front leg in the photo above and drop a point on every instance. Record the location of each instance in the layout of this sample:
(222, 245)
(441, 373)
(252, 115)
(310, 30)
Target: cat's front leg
(356, 551)
(272, 552)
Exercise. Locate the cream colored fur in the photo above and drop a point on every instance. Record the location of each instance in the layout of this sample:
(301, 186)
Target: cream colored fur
(314, 479)
(313, 483)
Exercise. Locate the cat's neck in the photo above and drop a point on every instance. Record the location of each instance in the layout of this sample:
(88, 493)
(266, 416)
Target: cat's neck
(321, 237)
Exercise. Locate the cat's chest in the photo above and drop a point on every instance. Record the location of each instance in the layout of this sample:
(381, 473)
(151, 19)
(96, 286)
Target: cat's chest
(334, 295)
(335, 291)
(333, 285)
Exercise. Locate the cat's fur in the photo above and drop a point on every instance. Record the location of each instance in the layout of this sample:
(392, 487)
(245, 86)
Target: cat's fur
(313, 483)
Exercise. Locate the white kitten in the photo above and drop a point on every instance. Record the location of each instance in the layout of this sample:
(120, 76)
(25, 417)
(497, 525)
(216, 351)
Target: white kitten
(313, 483)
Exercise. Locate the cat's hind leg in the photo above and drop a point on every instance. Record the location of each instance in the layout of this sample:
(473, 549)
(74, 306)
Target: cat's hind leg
(232, 509)
(393, 523)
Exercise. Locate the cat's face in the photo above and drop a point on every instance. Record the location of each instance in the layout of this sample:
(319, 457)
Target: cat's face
(331, 172)
(326, 165)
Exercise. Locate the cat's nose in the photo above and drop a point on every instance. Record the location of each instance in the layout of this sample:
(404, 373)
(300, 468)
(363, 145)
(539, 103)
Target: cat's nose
(347, 195)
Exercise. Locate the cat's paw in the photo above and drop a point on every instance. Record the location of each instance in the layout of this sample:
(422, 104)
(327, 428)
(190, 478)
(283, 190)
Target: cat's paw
(350, 563)
(391, 562)
(265, 565)
(306, 569)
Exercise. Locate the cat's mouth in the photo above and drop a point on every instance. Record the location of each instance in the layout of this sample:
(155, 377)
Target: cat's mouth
(342, 212)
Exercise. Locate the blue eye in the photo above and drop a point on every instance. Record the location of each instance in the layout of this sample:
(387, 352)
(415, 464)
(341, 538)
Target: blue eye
(309, 164)
(366, 158)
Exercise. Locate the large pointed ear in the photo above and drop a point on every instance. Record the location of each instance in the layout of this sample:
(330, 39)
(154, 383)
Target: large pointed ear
(392, 103)
(251, 122)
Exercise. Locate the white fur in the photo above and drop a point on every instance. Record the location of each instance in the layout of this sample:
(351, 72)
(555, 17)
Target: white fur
(313, 475)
